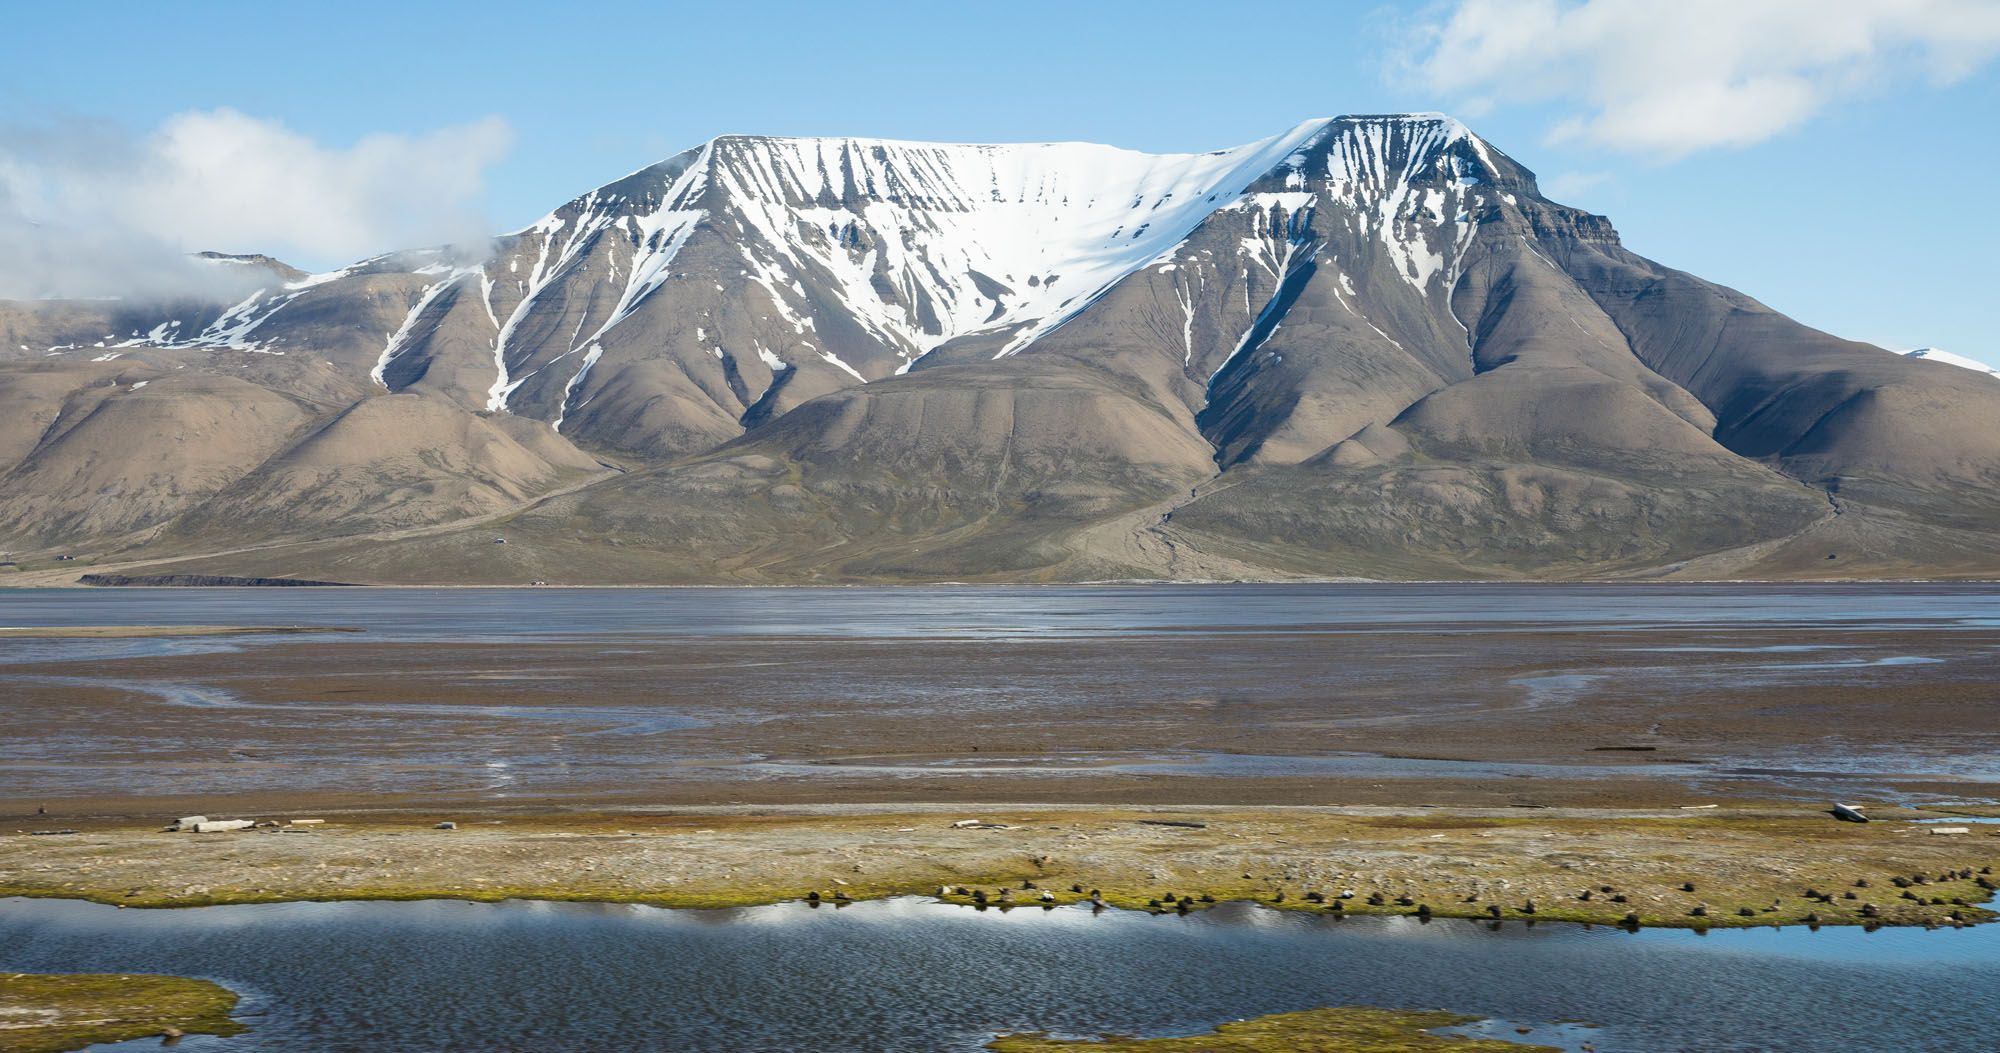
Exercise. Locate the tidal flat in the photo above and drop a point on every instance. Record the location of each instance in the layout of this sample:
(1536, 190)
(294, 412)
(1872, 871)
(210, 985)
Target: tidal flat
(1509, 760)
(1399, 696)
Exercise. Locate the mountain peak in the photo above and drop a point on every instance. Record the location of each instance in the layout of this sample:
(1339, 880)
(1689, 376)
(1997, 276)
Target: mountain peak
(284, 271)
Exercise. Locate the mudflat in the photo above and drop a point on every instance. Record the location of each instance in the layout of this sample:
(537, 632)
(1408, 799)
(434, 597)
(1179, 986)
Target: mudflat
(1373, 714)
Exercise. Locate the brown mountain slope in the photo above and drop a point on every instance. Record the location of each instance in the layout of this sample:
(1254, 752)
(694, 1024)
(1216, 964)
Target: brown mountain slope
(389, 462)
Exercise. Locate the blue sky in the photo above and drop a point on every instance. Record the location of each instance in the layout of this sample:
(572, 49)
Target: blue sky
(1855, 201)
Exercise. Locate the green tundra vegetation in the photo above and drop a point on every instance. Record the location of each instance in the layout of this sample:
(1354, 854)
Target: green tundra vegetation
(42, 1013)
(1343, 1030)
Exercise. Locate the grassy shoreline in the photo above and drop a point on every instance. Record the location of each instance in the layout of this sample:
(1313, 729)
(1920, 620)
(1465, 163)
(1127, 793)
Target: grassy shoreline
(1743, 871)
(1347, 1029)
(56, 1013)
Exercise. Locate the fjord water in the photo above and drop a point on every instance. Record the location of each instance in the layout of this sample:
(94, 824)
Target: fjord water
(921, 976)
(930, 610)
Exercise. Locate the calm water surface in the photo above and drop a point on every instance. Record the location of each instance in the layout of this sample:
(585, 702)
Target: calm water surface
(917, 975)
(959, 610)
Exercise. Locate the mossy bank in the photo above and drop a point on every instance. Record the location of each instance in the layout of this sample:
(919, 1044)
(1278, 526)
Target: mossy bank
(1341, 1030)
(52, 1013)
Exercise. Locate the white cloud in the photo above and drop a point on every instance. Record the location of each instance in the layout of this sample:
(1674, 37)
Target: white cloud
(1670, 77)
(1566, 186)
(87, 211)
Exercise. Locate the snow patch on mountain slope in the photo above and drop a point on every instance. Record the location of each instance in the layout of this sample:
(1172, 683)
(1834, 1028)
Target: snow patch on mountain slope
(590, 358)
(232, 329)
(560, 242)
(1373, 166)
(1932, 354)
(398, 339)
(660, 236)
(923, 243)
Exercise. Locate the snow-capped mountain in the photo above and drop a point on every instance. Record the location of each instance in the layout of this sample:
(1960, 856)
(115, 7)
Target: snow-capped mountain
(1365, 344)
(768, 271)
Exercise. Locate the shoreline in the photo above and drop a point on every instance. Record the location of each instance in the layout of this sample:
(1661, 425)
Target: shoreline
(146, 632)
(1700, 870)
(58, 1012)
(1341, 1029)
(1658, 582)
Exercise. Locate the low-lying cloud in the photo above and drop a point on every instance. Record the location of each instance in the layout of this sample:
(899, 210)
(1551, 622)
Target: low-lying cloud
(1672, 77)
(88, 211)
